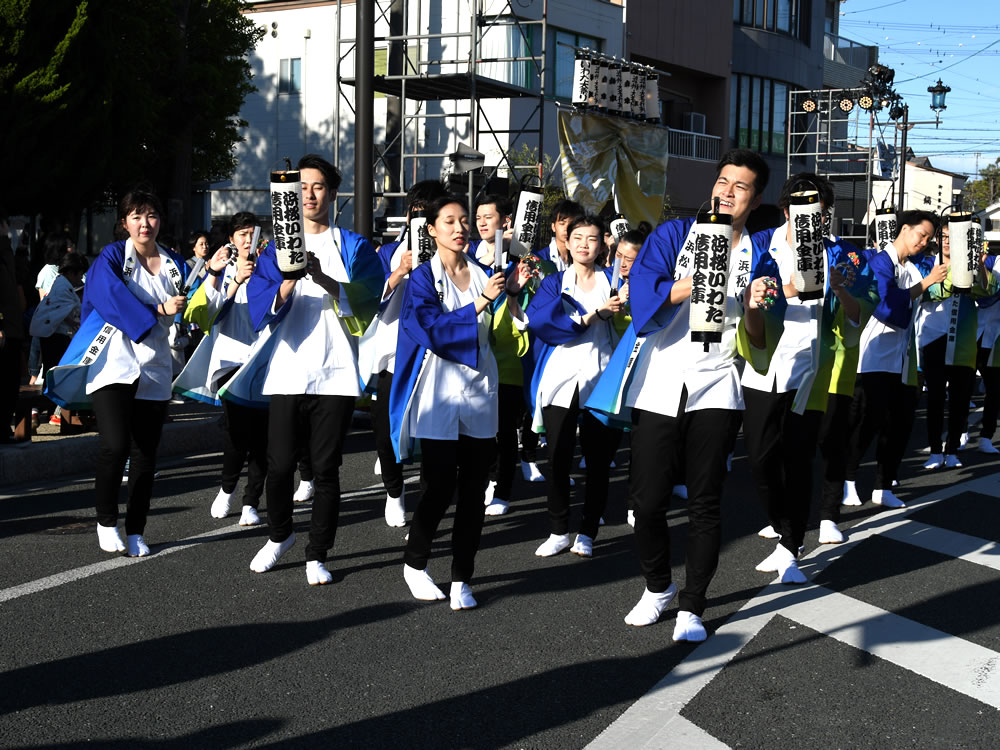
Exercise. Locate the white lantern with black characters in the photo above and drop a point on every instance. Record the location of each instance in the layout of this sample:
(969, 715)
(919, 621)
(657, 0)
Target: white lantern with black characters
(581, 78)
(527, 221)
(805, 213)
(885, 227)
(419, 242)
(964, 252)
(713, 239)
(288, 224)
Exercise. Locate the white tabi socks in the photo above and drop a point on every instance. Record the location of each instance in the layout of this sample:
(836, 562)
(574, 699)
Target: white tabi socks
(850, 494)
(269, 554)
(650, 607)
(421, 585)
(461, 597)
(109, 539)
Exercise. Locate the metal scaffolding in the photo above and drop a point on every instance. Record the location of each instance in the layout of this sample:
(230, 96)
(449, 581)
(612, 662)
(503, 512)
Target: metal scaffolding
(440, 66)
(837, 145)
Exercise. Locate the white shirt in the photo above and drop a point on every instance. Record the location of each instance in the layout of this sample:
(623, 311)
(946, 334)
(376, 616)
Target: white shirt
(556, 258)
(673, 362)
(933, 317)
(234, 335)
(314, 353)
(388, 319)
(792, 359)
(451, 399)
(123, 360)
(883, 348)
(579, 363)
(46, 277)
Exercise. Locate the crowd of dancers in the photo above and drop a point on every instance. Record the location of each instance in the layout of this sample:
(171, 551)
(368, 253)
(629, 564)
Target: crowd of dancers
(467, 355)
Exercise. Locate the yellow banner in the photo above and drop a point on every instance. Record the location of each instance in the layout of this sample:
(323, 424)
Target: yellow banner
(599, 151)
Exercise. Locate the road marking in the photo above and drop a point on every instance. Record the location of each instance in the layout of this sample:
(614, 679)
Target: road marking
(654, 721)
(86, 571)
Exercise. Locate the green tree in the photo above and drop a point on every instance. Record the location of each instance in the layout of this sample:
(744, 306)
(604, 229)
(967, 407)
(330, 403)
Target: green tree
(986, 190)
(99, 95)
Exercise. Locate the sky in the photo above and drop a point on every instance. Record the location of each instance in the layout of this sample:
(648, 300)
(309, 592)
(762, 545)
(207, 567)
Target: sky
(957, 41)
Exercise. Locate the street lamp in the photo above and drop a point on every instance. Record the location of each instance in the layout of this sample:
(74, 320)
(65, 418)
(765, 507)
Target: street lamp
(938, 93)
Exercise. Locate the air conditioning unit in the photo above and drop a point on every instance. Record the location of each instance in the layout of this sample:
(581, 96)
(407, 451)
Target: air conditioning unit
(693, 122)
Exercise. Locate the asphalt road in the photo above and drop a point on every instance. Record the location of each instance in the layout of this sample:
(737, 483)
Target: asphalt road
(189, 648)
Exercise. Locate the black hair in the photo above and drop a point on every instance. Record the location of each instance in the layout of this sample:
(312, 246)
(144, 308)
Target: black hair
(242, 220)
(567, 209)
(806, 181)
(424, 193)
(56, 246)
(432, 210)
(633, 237)
(744, 157)
(586, 220)
(915, 216)
(72, 262)
(192, 240)
(331, 175)
(139, 197)
(504, 206)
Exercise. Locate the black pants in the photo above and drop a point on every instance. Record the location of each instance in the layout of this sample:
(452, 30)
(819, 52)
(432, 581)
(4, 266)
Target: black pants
(529, 438)
(781, 446)
(128, 430)
(510, 404)
(324, 421)
(991, 404)
(10, 381)
(53, 347)
(598, 443)
(445, 466)
(392, 471)
(245, 442)
(696, 443)
(942, 379)
(882, 406)
(833, 445)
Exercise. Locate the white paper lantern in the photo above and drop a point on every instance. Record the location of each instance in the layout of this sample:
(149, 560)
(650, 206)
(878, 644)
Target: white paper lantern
(710, 276)
(964, 252)
(288, 224)
(885, 227)
(527, 221)
(805, 213)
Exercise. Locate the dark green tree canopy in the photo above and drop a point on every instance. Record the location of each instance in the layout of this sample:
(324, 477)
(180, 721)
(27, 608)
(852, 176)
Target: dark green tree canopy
(98, 95)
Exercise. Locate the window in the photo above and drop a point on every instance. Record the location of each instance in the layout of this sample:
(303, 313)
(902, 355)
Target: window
(758, 110)
(771, 15)
(561, 57)
(290, 75)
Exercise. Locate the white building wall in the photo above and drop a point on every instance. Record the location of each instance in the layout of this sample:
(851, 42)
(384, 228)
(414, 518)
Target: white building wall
(290, 125)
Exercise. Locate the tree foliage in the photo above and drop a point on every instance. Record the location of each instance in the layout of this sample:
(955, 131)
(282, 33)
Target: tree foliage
(100, 94)
(986, 190)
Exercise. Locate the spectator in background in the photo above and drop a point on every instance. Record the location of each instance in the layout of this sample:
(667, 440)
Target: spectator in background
(11, 333)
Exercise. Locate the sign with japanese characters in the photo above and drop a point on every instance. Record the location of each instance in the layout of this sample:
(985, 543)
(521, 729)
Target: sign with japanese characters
(805, 213)
(885, 227)
(581, 79)
(288, 224)
(527, 221)
(713, 238)
(421, 245)
(964, 252)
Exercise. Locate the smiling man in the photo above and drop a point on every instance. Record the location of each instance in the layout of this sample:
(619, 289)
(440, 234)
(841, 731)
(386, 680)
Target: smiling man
(309, 370)
(684, 396)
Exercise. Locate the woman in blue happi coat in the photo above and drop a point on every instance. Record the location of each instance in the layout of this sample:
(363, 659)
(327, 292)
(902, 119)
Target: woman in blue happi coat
(120, 362)
(444, 394)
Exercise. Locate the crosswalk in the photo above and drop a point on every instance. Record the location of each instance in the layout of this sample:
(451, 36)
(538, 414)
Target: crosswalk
(881, 593)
